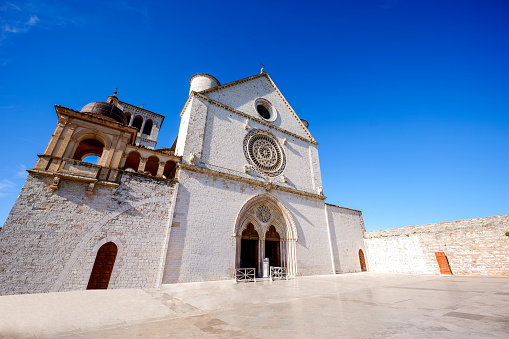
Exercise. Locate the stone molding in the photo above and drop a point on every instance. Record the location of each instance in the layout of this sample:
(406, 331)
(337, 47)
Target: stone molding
(252, 182)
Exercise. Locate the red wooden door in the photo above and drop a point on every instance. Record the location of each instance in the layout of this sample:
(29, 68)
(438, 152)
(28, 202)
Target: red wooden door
(363, 261)
(103, 266)
(443, 263)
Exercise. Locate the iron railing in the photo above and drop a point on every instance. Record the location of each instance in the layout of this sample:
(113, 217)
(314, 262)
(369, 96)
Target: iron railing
(245, 274)
(278, 273)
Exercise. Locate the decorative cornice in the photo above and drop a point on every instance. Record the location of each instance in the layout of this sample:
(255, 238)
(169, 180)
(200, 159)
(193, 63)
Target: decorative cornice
(142, 109)
(96, 118)
(72, 177)
(247, 116)
(252, 182)
(171, 156)
(290, 107)
(233, 83)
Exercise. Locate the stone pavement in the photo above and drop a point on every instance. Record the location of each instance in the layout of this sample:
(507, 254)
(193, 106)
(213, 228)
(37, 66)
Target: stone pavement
(358, 305)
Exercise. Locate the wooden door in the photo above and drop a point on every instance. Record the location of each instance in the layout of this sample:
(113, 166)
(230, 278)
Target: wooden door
(249, 248)
(363, 261)
(272, 247)
(103, 266)
(443, 263)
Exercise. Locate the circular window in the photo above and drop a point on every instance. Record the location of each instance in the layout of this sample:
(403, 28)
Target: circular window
(263, 151)
(265, 109)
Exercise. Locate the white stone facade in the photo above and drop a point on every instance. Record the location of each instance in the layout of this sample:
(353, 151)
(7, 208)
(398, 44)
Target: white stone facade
(193, 226)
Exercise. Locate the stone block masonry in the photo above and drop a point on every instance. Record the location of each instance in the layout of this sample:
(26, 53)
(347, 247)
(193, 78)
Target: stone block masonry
(50, 239)
(473, 247)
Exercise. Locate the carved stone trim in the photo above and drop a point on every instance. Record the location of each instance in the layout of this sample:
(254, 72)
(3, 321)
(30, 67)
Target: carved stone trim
(253, 182)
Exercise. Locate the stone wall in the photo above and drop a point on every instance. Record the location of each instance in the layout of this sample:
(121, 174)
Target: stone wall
(346, 229)
(50, 239)
(473, 247)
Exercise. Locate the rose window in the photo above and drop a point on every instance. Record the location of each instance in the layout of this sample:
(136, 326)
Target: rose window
(263, 213)
(264, 152)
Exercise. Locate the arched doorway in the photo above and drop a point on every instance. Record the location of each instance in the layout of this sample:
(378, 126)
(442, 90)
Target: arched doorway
(363, 261)
(273, 220)
(273, 247)
(103, 266)
(249, 248)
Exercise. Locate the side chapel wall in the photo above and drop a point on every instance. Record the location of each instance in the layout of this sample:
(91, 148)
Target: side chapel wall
(346, 229)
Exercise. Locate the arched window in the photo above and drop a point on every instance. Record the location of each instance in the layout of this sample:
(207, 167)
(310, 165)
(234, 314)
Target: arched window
(152, 165)
(363, 261)
(128, 115)
(103, 266)
(169, 170)
(133, 161)
(148, 127)
(88, 147)
(137, 122)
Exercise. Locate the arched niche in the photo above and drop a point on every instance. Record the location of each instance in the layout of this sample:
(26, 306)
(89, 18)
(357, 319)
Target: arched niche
(147, 130)
(137, 122)
(152, 165)
(169, 169)
(133, 161)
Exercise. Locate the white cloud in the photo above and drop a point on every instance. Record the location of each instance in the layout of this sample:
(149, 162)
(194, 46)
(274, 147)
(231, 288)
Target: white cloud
(21, 172)
(15, 20)
(9, 6)
(33, 20)
(6, 185)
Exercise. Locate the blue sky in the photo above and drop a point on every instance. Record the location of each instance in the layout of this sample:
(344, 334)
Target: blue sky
(408, 99)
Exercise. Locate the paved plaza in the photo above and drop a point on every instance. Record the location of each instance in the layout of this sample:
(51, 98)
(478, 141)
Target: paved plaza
(358, 305)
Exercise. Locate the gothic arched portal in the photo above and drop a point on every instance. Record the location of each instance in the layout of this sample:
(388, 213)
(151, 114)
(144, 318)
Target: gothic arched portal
(269, 218)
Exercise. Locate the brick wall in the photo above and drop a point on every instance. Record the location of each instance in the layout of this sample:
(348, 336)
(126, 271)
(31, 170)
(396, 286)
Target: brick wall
(473, 247)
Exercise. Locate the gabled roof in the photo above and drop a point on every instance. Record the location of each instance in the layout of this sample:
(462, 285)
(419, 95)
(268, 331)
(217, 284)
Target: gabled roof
(263, 74)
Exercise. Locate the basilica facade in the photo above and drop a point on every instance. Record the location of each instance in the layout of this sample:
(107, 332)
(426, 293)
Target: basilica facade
(104, 207)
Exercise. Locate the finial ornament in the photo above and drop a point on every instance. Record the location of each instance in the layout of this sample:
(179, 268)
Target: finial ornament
(116, 89)
(263, 68)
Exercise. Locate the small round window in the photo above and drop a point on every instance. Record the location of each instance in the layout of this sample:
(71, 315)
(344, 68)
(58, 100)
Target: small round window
(265, 109)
